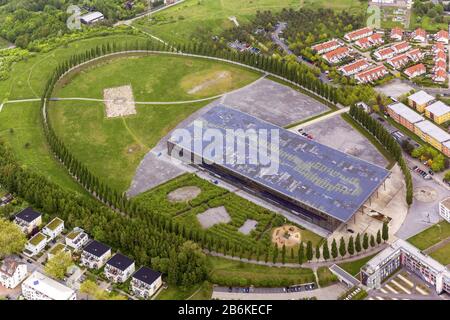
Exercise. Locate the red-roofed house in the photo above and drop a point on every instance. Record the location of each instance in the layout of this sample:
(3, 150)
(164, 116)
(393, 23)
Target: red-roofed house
(419, 35)
(415, 70)
(358, 34)
(440, 65)
(397, 34)
(326, 46)
(354, 67)
(399, 61)
(401, 47)
(415, 55)
(384, 54)
(438, 47)
(440, 76)
(441, 36)
(370, 41)
(440, 55)
(372, 74)
(336, 55)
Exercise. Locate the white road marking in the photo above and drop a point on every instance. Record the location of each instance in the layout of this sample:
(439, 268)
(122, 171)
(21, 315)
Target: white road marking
(401, 287)
(421, 291)
(390, 289)
(382, 290)
(409, 283)
(379, 298)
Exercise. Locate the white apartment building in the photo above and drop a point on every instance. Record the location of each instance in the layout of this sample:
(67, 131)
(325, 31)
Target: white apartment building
(76, 239)
(95, 255)
(41, 287)
(12, 273)
(119, 268)
(444, 209)
(145, 282)
(28, 220)
(35, 245)
(54, 228)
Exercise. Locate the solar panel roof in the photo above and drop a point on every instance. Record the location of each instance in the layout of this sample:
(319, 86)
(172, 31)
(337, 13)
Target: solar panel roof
(323, 178)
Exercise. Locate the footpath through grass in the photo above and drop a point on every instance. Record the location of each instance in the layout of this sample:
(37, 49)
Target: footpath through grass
(431, 236)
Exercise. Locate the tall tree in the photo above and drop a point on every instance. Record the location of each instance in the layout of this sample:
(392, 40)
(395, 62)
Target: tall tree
(12, 239)
(342, 249)
(326, 251)
(57, 266)
(301, 253)
(317, 251)
(351, 246)
(378, 237)
(358, 243)
(334, 249)
(365, 243)
(385, 232)
(309, 251)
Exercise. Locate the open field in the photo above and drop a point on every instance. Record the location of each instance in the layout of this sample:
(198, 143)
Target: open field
(431, 235)
(442, 254)
(353, 267)
(183, 22)
(427, 23)
(349, 5)
(108, 146)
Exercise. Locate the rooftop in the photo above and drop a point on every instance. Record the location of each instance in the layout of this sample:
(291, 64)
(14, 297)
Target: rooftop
(9, 266)
(335, 183)
(146, 275)
(57, 248)
(433, 131)
(421, 97)
(48, 286)
(37, 239)
(446, 203)
(92, 16)
(438, 108)
(120, 261)
(96, 248)
(28, 215)
(55, 223)
(406, 113)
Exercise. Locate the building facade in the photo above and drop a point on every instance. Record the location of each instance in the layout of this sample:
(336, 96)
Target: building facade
(119, 268)
(95, 255)
(12, 273)
(28, 220)
(145, 282)
(54, 228)
(444, 209)
(41, 287)
(76, 239)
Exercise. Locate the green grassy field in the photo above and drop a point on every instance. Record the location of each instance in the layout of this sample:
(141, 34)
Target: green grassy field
(427, 23)
(354, 267)
(111, 145)
(442, 254)
(431, 235)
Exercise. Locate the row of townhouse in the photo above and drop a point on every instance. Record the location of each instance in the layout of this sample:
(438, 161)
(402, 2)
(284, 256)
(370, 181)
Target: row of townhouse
(371, 41)
(440, 63)
(327, 46)
(397, 34)
(358, 34)
(372, 74)
(401, 60)
(391, 51)
(402, 254)
(119, 268)
(354, 67)
(337, 55)
(415, 70)
(420, 35)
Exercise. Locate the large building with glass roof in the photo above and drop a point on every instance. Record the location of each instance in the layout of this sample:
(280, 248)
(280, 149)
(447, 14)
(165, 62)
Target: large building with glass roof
(317, 183)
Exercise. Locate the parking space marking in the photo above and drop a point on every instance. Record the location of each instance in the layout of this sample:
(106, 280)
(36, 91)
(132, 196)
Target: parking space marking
(382, 290)
(401, 287)
(390, 289)
(421, 291)
(409, 283)
(379, 298)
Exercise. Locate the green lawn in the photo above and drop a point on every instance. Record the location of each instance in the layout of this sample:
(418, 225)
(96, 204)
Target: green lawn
(235, 273)
(442, 254)
(427, 23)
(348, 5)
(353, 267)
(112, 145)
(325, 276)
(431, 235)
(4, 43)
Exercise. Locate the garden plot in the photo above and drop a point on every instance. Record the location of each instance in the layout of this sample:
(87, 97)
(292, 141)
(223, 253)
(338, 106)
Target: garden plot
(119, 101)
(184, 194)
(213, 216)
(248, 226)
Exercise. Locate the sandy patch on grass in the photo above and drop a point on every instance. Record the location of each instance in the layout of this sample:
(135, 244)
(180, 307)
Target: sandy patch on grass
(200, 83)
(287, 235)
(213, 216)
(184, 194)
(119, 101)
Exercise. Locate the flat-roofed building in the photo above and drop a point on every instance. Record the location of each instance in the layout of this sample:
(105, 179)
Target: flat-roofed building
(12, 272)
(431, 133)
(145, 282)
(439, 112)
(40, 287)
(95, 255)
(444, 209)
(58, 248)
(54, 228)
(404, 115)
(92, 17)
(35, 245)
(316, 183)
(402, 254)
(28, 220)
(420, 100)
(119, 268)
(76, 239)
(446, 148)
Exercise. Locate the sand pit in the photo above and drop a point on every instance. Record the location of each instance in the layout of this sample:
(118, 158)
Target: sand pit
(248, 226)
(425, 194)
(213, 216)
(119, 102)
(184, 194)
(286, 235)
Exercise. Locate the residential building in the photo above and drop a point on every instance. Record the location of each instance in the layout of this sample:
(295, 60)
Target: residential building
(372, 74)
(12, 273)
(444, 209)
(370, 41)
(415, 55)
(35, 245)
(54, 228)
(441, 36)
(336, 55)
(399, 61)
(404, 115)
(401, 47)
(325, 47)
(41, 287)
(92, 17)
(358, 34)
(441, 56)
(431, 133)
(145, 282)
(402, 254)
(119, 268)
(446, 148)
(397, 34)
(28, 220)
(440, 76)
(384, 54)
(420, 100)
(354, 67)
(439, 112)
(76, 239)
(57, 248)
(438, 47)
(95, 255)
(415, 70)
(419, 35)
